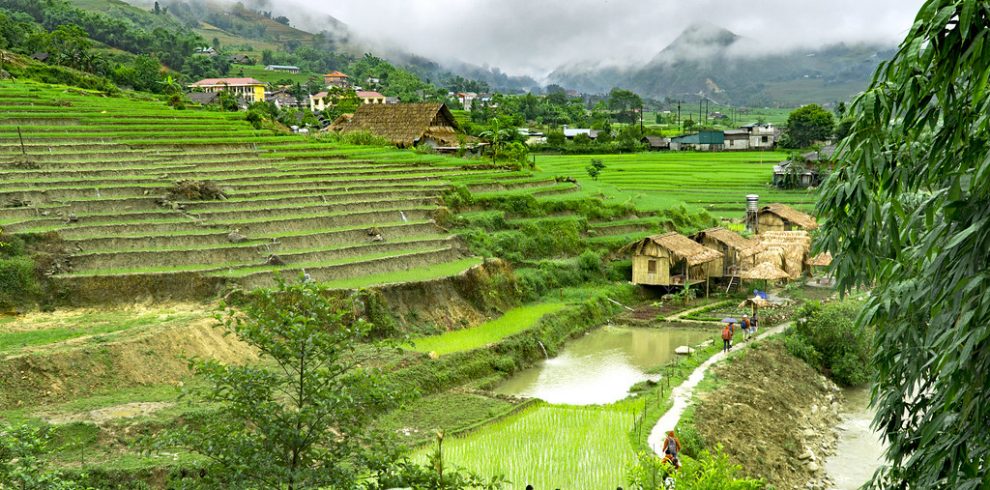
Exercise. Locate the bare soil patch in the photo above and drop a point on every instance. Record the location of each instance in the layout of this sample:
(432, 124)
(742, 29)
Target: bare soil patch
(773, 414)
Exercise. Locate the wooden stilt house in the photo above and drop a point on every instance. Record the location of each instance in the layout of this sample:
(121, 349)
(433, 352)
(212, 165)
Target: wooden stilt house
(780, 217)
(672, 259)
(738, 252)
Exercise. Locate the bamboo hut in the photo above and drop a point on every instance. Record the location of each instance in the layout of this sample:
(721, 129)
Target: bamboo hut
(672, 259)
(738, 252)
(793, 246)
(405, 125)
(780, 217)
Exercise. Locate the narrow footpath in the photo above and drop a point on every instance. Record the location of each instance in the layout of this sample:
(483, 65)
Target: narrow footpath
(682, 394)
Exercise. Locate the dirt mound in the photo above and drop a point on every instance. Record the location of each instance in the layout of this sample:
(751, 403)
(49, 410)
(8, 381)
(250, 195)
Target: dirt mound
(156, 356)
(773, 414)
(195, 190)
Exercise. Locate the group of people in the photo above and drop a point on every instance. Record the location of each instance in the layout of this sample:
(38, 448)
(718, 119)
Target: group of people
(748, 327)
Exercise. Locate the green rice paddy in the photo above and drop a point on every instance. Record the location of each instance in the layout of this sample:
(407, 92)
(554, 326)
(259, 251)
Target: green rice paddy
(716, 181)
(549, 446)
(513, 321)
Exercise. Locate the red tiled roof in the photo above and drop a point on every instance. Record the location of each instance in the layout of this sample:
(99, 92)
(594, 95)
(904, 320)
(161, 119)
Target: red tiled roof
(368, 94)
(336, 74)
(319, 95)
(232, 82)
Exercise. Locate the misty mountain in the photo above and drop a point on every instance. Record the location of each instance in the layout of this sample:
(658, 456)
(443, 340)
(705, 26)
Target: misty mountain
(256, 19)
(712, 62)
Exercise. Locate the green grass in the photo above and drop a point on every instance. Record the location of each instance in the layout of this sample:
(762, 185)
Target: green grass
(718, 182)
(417, 421)
(258, 72)
(410, 275)
(549, 447)
(512, 322)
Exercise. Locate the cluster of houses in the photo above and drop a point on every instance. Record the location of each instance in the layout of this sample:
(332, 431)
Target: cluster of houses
(779, 249)
(250, 90)
(757, 136)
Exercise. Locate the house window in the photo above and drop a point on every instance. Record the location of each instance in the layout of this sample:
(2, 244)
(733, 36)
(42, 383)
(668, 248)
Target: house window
(763, 139)
(651, 267)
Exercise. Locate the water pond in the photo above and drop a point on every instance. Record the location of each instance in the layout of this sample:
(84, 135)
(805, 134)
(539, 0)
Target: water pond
(601, 366)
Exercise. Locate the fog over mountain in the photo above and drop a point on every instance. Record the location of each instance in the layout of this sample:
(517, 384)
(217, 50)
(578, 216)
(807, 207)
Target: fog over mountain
(535, 38)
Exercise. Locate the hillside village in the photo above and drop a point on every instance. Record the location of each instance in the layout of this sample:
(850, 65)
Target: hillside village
(238, 254)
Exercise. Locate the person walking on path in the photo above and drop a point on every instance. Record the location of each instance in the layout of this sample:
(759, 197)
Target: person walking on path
(672, 449)
(727, 331)
(746, 325)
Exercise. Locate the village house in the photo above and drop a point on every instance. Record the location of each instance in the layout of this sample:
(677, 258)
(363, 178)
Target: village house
(405, 125)
(780, 217)
(656, 143)
(206, 51)
(673, 259)
(762, 136)
(738, 252)
(701, 141)
(336, 79)
(736, 139)
(249, 89)
(804, 171)
(571, 133)
(283, 68)
(240, 59)
(371, 97)
(283, 100)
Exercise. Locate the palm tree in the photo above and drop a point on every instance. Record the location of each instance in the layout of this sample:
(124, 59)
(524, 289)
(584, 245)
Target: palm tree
(496, 137)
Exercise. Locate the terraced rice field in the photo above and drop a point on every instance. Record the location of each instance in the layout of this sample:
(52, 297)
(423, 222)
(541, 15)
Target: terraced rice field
(550, 446)
(716, 181)
(95, 170)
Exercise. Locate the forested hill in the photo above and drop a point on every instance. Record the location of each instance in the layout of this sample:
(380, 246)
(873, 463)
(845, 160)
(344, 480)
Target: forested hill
(303, 40)
(715, 63)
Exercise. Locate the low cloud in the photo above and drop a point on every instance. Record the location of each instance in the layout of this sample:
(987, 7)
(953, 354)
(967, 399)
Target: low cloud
(534, 37)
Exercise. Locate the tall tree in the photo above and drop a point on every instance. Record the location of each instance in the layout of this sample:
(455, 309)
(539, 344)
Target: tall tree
(908, 213)
(626, 104)
(809, 124)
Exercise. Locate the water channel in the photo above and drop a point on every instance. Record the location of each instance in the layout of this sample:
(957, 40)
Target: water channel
(859, 451)
(601, 366)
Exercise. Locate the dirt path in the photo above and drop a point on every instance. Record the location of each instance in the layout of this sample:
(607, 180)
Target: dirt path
(682, 394)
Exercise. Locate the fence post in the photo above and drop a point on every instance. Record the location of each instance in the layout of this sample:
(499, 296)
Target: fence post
(21, 137)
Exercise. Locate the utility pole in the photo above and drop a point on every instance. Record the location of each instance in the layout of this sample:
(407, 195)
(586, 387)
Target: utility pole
(679, 115)
(641, 120)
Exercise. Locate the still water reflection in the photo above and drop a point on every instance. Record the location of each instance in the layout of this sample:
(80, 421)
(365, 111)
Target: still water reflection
(601, 366)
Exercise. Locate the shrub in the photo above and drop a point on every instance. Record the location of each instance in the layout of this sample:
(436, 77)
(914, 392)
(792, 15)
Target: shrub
(828, 338)
(18, 280)
(195, 190)
(708, 471)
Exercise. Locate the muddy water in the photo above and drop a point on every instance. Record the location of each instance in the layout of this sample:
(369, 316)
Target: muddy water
(601, 366)
(859, 451)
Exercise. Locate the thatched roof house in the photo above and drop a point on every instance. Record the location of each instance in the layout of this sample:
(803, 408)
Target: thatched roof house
(405, 125)
(738, 252)
(766, 272)
(672, 259)
(790, 248)
(780, 217)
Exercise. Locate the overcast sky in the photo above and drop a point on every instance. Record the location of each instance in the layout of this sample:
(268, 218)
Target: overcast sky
(533, 37)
